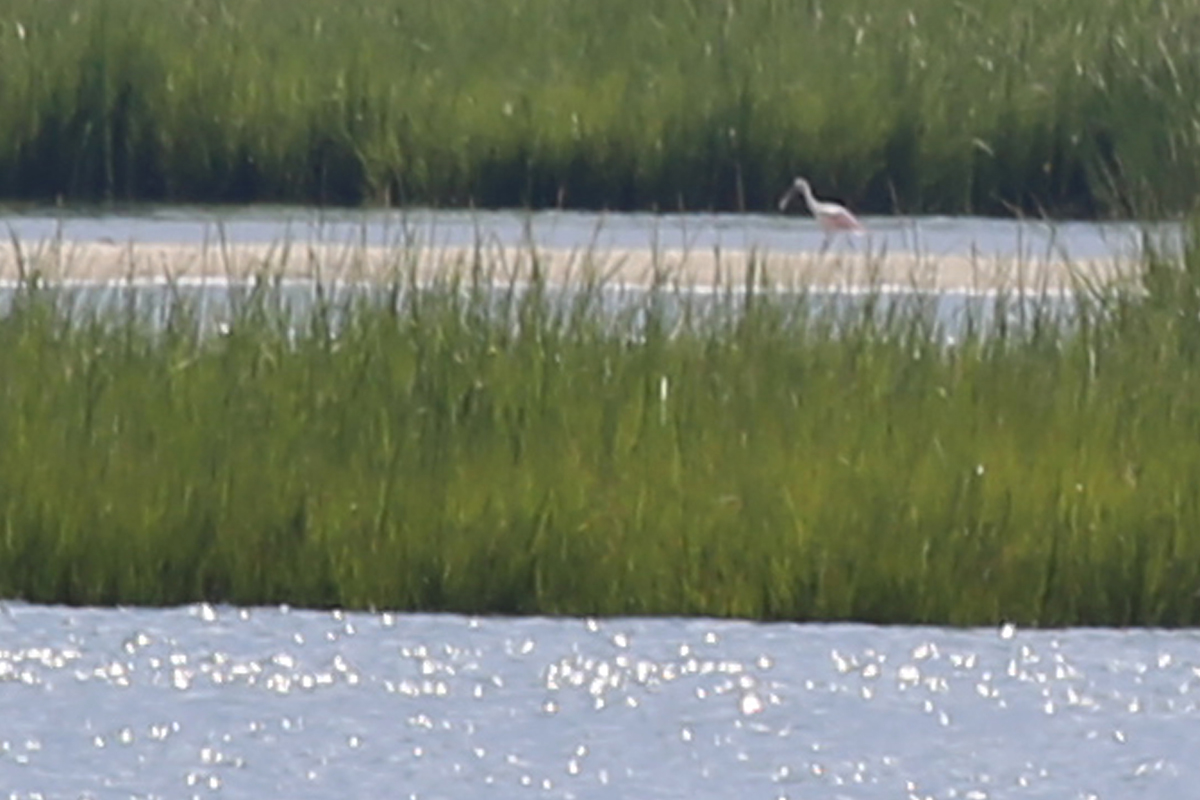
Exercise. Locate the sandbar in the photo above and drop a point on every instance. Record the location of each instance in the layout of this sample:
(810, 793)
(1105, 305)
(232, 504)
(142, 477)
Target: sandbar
(106, 261)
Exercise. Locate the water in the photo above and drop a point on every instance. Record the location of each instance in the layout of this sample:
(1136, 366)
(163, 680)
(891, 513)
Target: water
(225, 702)
(775, 233)
(219, 306)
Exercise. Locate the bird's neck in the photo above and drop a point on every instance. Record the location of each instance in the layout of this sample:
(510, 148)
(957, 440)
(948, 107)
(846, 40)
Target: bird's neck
(808, 196)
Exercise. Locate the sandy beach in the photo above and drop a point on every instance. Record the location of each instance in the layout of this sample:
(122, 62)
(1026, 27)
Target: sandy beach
(64, 260)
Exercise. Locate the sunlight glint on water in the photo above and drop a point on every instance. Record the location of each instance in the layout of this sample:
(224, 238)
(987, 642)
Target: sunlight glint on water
(225, 702)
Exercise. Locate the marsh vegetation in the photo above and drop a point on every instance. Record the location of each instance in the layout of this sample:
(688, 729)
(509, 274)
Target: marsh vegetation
(1064, 107)
(473, 445)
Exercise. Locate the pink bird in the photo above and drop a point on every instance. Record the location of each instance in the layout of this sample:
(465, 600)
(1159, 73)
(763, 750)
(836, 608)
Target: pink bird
(831, 216)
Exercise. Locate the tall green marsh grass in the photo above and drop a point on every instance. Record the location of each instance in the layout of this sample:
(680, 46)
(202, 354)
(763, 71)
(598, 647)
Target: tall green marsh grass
(1069, 107)
(502, 448)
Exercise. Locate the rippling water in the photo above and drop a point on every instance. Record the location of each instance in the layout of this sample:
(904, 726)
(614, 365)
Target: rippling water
(256, 703)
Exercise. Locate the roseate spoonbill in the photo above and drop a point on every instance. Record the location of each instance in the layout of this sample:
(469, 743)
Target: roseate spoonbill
(831, 216)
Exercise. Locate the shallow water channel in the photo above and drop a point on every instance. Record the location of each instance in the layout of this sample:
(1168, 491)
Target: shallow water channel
(227, 702)
(578, 231)
(773, 233)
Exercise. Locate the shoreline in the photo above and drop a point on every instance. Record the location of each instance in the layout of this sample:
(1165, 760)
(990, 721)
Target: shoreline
(66, 261)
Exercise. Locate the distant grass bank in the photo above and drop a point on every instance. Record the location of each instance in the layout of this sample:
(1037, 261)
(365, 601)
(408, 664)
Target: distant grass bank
(1068, 107)
(493, 449)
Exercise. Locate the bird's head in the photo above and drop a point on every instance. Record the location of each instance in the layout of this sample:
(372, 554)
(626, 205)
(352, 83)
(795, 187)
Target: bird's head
(799, 186)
